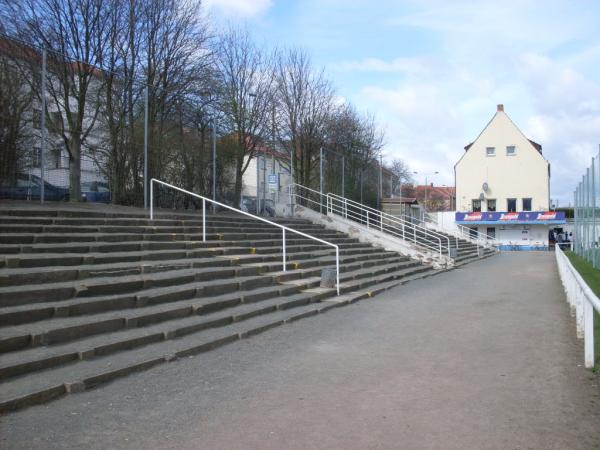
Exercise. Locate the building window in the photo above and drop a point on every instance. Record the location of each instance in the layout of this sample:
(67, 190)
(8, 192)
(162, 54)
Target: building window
(36, 157)
(490, 151)
(511, 150)
(473, 232)
(491, 233)
(511, 204)
(491, 204)
(55, 161)
(526, 204)
(36, 119)
(476, 203)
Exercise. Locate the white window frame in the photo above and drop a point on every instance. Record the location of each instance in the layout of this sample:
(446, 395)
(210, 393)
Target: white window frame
(514, 152)
(492, 153)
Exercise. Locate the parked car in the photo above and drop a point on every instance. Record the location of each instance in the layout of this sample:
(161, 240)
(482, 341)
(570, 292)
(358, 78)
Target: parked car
(95, 191)
(29, 187)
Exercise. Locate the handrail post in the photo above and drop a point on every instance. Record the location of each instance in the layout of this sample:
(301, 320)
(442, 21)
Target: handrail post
(345, 208)
(284, 256)
(381, 222)
(337, 268)
(367, 219)
(151, 199)
(203, 220)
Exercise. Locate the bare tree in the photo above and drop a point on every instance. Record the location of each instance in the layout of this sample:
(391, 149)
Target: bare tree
(401, 175)
(304, 101)
(245, 92)
(73, 31)
(16, 101)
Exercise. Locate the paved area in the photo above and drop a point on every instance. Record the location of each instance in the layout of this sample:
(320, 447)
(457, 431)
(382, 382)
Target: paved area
(484, 356)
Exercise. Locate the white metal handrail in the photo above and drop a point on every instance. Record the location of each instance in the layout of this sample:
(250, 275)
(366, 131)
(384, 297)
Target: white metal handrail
(262, 219)
(582, 299)
(419, 232)
(408, 231)
(465, 233)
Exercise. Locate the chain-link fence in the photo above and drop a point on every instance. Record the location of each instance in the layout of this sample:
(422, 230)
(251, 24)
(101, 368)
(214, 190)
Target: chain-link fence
(587, 214)
(69, 129)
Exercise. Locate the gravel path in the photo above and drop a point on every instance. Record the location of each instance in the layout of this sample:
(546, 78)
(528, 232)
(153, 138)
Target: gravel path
(484, 356)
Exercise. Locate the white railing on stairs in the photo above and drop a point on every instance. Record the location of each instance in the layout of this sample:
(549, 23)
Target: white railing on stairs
(462, 232)
(262, 219)
(582, 300)
(371, 218)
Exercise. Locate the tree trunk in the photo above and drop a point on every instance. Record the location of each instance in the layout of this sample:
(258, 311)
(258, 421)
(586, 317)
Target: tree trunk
(75, 170)
(237, 195)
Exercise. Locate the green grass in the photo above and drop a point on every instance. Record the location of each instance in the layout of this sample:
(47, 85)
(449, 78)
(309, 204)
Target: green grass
(592, 278)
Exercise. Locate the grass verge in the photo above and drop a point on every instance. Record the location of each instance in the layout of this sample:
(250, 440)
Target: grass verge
(592, 277)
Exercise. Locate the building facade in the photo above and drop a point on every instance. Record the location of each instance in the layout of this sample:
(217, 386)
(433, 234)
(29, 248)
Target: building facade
(503, 187)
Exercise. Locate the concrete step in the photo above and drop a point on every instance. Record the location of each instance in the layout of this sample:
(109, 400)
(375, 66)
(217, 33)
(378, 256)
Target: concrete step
(46, 385)
(52, 324)
(39, 293)
(206, 313)
(52, 273)
(132, 246)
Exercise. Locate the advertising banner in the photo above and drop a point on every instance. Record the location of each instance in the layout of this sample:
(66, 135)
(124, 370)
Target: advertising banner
(527, 217)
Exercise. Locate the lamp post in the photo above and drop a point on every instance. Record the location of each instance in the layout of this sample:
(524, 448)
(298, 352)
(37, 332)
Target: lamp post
(426, 183)
(321, 170)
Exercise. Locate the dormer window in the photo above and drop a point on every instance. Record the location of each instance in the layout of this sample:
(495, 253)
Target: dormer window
(511, 150)
(490, 151)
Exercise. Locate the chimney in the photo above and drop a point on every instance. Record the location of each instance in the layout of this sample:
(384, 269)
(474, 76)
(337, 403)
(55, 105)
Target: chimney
(501, 107)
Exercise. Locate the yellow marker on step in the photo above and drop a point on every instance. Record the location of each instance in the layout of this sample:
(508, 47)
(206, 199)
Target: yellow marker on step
(253, 250)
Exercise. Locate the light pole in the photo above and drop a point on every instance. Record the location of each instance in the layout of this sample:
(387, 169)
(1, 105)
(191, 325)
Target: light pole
(321, 170)
(426, 184)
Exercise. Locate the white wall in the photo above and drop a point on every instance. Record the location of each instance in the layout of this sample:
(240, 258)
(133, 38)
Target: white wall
(249, 179)
(520, 176)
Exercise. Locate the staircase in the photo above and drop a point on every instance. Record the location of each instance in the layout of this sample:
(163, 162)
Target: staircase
(466, 251)
(91, 295)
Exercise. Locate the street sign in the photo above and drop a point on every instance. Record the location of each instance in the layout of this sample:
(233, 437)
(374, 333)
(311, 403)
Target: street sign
(273, 181)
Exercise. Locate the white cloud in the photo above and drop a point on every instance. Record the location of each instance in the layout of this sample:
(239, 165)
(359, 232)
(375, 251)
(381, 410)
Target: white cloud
(398, 65)
(537, 59)
(239, 8)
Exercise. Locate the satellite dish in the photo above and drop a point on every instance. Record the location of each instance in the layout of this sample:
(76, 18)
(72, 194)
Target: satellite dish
(481, 196)
(485, 187)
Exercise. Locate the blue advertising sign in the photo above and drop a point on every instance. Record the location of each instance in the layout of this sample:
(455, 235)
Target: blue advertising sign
(273, 180)
(518, 218)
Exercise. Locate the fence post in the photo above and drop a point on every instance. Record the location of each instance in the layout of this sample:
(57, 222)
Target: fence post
(43, 128)
(588, 330)
(367, 219)
(593, 211)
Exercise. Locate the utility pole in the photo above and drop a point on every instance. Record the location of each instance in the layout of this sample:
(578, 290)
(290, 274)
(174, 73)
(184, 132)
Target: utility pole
(43, 128)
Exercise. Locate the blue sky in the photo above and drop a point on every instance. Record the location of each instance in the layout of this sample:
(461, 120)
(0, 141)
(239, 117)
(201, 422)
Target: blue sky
(432, 71)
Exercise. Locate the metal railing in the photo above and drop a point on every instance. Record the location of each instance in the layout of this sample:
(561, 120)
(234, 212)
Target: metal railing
(262, 219)
(582, 300)
(586, 230)
(469, 234)
(371, 217)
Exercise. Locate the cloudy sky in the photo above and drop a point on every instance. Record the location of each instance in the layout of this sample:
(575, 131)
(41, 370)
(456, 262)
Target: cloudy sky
(432, 71)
